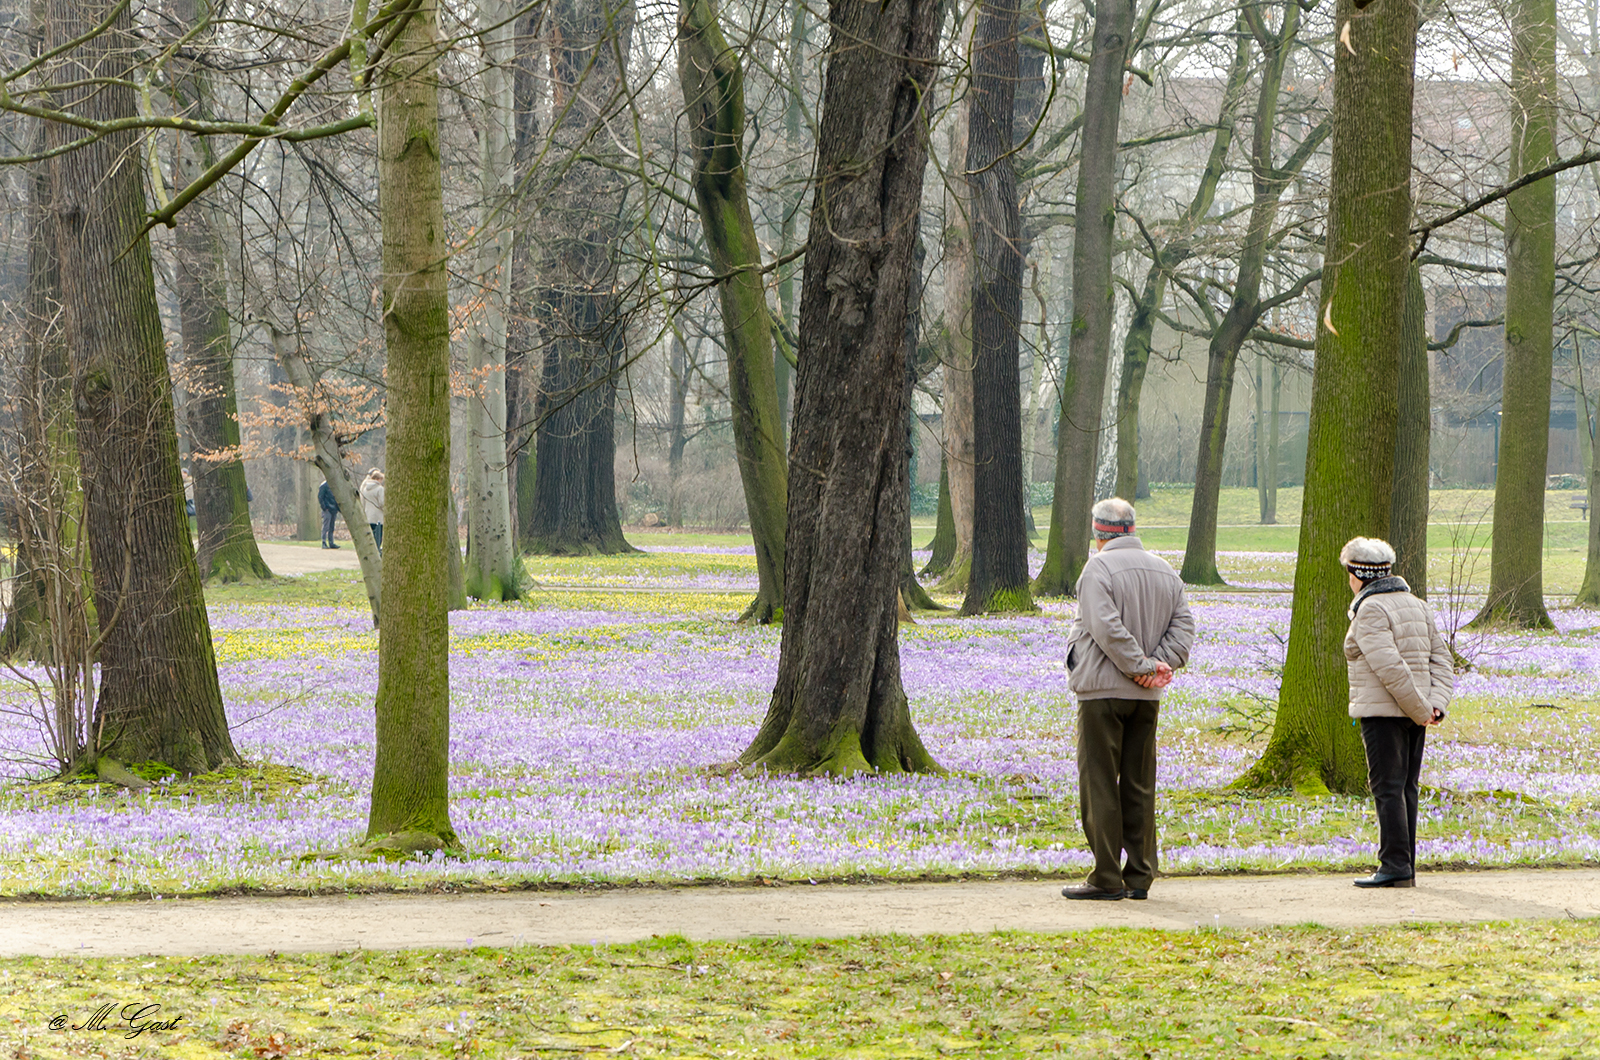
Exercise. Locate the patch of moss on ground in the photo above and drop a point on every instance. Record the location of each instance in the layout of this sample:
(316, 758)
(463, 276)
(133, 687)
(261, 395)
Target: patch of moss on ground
(1440, 991)
(250, 782)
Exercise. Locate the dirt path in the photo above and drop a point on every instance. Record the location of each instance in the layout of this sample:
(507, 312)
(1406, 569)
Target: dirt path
(302, 557)
(288, 925)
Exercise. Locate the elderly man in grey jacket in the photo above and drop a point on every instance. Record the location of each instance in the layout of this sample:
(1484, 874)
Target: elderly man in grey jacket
(1132, 631)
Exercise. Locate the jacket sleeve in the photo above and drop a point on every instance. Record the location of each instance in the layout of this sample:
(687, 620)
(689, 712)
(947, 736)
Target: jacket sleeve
(1442, 670)
(1101, 619)
(1375, 638)
(1173, 648)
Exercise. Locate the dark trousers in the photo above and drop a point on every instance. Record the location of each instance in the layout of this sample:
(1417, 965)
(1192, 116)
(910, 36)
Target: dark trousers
(327, 527)
(1394, 762)
(1117, 789)
(377, 534)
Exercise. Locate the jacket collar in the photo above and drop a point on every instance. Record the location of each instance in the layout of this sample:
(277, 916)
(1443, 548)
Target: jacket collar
(1129, 541)
(1377, 587)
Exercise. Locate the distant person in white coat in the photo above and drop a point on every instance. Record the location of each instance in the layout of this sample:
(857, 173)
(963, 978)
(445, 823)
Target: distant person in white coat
(372, 500)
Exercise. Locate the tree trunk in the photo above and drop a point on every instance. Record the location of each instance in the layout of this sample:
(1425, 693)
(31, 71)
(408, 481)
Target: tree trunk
(1408, 520)
(307, 513)
(45, 498)
(331, 462)
(838, 706)
(959, 424)
(788, 229)
(1589, 591)
(1136, 347)
(492, 571)
(913, 597)
(159, 698)
(1200, 551)
(943, 545)
(1083, 383)
(575, 502)
(522, 365)
(411, 774)
(1349, 473)
(1516, 555)
(999, 577)
(227, 550)
(713, 92)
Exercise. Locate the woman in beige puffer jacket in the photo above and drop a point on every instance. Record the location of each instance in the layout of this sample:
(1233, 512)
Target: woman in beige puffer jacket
(1401, 680)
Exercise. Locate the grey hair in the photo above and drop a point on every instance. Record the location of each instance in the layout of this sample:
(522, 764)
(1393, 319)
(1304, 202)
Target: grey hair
(1113, 511)
(1366, 552)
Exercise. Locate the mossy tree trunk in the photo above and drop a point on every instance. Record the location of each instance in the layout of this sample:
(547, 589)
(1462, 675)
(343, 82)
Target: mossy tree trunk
(838, 706)
(159, 698)
(1351, 443)
(1083, 384)
(1516, 555)
(999, 576)
(579, 308)
(491, 570)
(1408, 520)
(1165, 259)
(1268, 182)
(227, 550)
(410, 805)
(713, 92)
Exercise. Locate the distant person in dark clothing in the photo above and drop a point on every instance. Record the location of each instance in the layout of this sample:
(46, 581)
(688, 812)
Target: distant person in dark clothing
(330, 508)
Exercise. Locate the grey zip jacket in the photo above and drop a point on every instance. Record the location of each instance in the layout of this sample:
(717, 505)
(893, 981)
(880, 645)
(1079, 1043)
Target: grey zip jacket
(1131, 615)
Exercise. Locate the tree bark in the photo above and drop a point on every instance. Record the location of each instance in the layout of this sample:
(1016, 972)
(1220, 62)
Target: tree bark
(411, 774)
(575, 503)
(227, 549)
(491, 569)
(1408, 520)
(1083, 383)
(1349, 473)
(999, 578)
(1200, 551)
(838, 706)
(713, 92)
(1516, 555)
(159, 697)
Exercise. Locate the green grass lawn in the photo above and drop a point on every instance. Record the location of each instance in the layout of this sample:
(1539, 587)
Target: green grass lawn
(1442, 992)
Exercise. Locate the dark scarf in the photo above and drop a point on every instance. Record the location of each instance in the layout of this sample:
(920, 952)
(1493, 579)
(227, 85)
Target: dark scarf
(1392, 584)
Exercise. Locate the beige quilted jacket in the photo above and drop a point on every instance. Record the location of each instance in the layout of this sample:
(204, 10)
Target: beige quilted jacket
(1399, 663)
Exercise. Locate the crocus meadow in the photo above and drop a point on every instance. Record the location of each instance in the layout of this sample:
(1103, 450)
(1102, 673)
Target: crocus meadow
(586, 722)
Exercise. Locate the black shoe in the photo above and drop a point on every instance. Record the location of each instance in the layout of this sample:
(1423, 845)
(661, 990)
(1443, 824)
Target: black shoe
(1138, 894)
(1386, 879)
(335, 546)
(1091, 892)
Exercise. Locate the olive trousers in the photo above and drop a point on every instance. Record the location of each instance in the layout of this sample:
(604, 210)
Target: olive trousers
(1117, 789)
